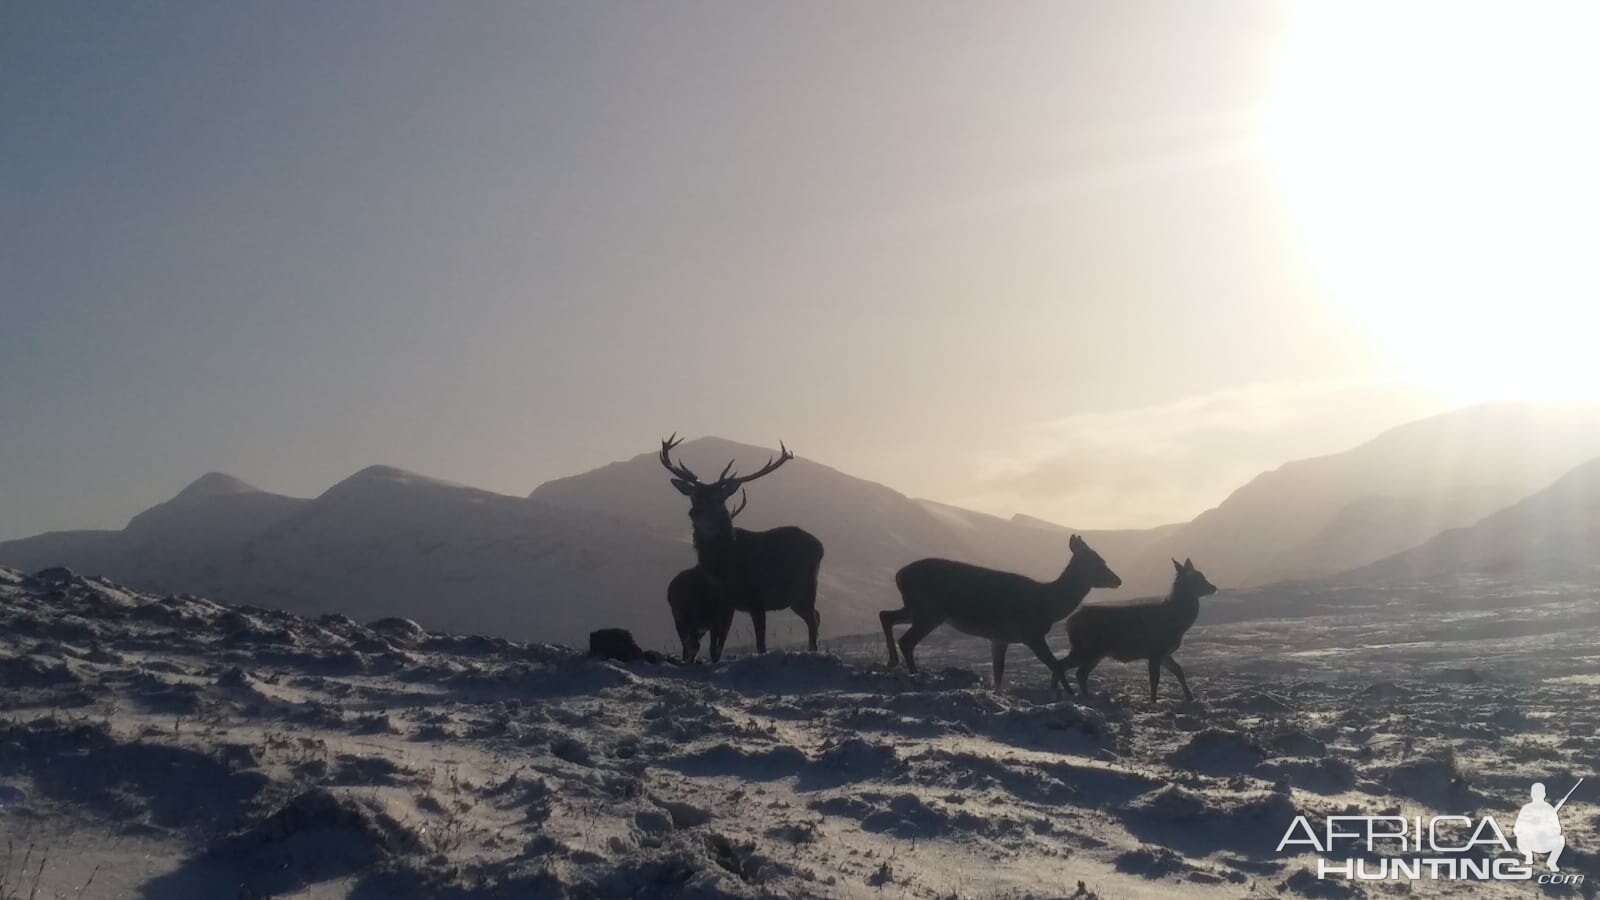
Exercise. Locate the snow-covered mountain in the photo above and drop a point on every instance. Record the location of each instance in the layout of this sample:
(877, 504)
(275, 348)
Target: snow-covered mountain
(597, 549)
(584, 552)
(182, 544)
(1330, 514)
(385, 542)
(1553, 534)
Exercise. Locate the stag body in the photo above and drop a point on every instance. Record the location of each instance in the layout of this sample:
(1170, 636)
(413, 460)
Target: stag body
(1004, 607)
(698, 608)
(750, 571)
(1148, 630)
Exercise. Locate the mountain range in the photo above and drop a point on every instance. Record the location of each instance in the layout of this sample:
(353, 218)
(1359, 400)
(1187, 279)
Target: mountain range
(1552, 535)
(1479, 488)
(1330, 514)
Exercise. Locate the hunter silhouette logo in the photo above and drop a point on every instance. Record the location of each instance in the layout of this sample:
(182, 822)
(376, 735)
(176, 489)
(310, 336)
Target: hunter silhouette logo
(1538, 828)
(1397, 848)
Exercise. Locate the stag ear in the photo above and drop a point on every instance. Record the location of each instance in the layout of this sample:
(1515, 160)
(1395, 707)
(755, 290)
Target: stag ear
(1177, 565)
(684, 487)
(1075, 543)
(1188, 563)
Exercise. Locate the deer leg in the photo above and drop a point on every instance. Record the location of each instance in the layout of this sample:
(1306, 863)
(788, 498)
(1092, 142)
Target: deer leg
(1084, 669)
(1063, 665)
(998, 651)
(1056, 667)
(1175, 669)
(758, 622)
(890, 618)
(1155, 676)
(913, 636)
(719, 632)
(809, 596)
(691, 644)
(813, 625)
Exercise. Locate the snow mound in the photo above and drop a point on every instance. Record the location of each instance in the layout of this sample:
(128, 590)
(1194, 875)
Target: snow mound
(1217, 751)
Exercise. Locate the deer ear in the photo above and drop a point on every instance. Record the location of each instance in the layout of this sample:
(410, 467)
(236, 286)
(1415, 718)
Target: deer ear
(684, 487)
(1075, 543)
(1188, 563)
(1177, 565)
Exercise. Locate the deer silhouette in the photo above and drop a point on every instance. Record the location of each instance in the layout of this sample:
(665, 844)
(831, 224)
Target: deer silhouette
(697, 607)
(749, 571)
(1147, 629)
(1004, 607)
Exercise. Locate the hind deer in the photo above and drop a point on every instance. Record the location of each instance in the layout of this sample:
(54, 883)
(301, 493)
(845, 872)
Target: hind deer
(697, 607)
(1004, 607)
(1148, 630)
(751, 571)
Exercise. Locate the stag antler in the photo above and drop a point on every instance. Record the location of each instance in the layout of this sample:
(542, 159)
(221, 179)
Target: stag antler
(679, 469)
(743, 499)
(772, 464)
(727, 478)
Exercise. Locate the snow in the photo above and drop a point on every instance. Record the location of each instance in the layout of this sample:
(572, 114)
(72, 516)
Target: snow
(167, 747)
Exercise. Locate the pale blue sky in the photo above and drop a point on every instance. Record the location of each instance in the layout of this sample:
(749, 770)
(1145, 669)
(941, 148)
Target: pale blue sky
(503, 242)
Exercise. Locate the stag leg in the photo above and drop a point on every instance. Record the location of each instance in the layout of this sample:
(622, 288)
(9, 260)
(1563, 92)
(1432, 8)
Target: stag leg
(914, 636)
(813, 621)
(998, 650)
(1175, 669)
(890, 618)
(1155, 676)
(719, 632)
(808, 596)
(758, 622)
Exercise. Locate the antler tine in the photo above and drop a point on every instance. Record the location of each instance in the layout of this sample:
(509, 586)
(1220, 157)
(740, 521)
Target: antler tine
(679, 469)
(743, 499)
(772, 464)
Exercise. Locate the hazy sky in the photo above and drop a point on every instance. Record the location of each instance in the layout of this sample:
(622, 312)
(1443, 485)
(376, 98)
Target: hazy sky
(1095, 262)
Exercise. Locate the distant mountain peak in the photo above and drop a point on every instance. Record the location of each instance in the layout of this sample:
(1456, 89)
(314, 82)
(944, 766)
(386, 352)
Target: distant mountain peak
(712, 444)
(1036, 522)
(386, 473)
(380, 476)
(707, 454)
(214, 484)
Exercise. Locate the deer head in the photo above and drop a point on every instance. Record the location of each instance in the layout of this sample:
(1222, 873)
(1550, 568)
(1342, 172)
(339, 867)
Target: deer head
(1190, 581)
(1088, 567)
(708, 510)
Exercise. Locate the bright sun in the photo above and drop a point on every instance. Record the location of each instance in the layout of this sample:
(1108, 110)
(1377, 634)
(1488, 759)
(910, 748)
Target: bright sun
(1443, 163)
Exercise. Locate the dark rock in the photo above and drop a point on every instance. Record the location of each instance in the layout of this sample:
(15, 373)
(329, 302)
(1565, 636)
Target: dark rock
(55, 576)
(403, 631)
(618, 644)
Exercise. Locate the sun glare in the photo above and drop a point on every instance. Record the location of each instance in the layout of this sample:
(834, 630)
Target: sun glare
(1443, 164)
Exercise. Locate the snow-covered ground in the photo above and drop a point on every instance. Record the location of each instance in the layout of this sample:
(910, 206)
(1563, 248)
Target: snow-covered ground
(181, 748)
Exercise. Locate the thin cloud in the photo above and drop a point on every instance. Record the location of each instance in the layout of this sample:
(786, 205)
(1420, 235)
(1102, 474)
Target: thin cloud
(1167, 463)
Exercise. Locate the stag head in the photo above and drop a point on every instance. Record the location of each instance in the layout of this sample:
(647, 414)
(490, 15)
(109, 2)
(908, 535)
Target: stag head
(708, 510)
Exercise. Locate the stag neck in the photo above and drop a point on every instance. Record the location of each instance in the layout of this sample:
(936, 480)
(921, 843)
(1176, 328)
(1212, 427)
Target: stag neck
(713, 554)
